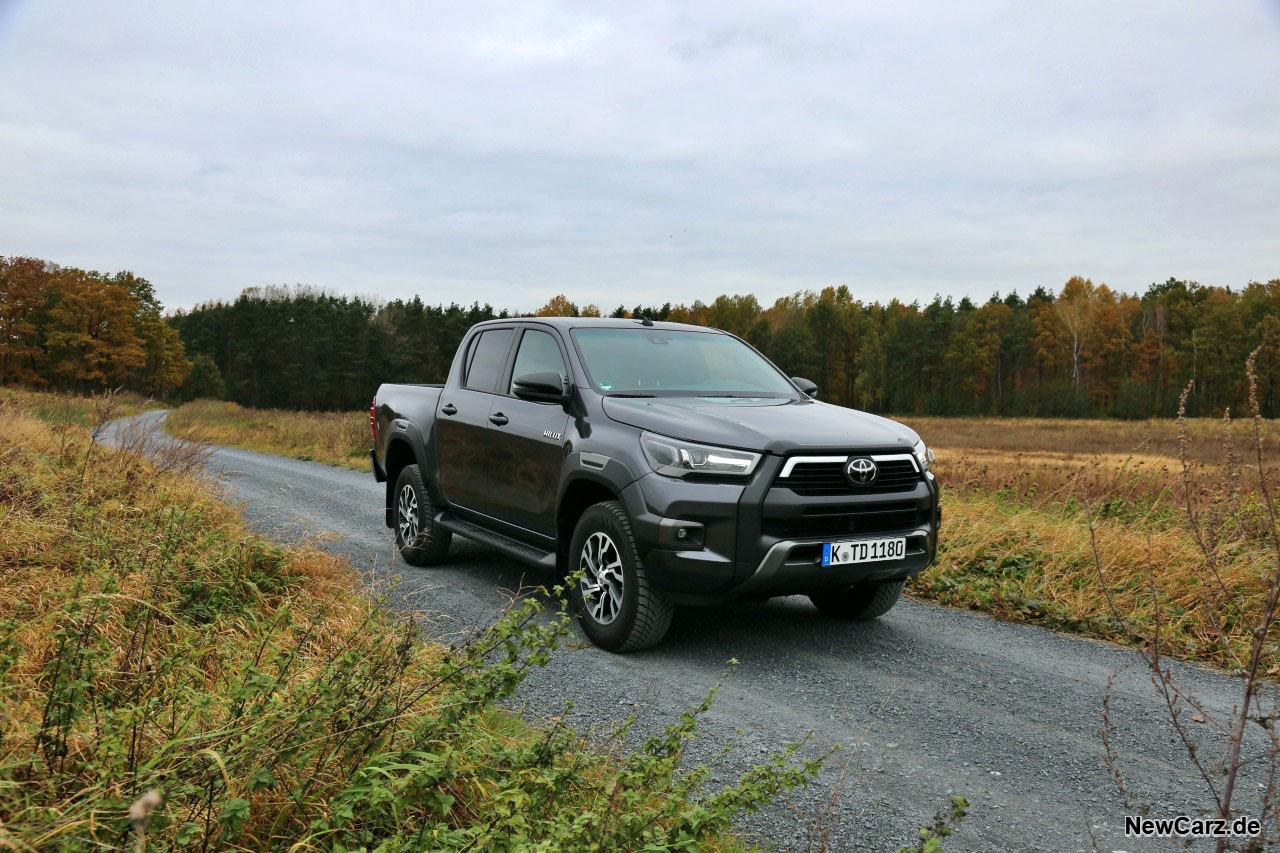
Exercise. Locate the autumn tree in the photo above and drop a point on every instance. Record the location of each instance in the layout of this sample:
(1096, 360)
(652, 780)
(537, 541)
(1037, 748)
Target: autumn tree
(165, 365)
(1076, 308)
(975, 351)
(24, 302)
(735, 314)
(91, 341)
(68, 328)
(558, 306)
(1268, 365)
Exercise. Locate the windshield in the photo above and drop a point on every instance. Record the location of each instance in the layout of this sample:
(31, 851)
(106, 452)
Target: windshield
(658, 362)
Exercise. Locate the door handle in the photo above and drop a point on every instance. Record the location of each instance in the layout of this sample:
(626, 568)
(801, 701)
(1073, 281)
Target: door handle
(498, 419)
(449, 409)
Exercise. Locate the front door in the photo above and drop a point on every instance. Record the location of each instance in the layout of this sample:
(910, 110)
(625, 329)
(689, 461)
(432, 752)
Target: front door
(462, 422)
(528, 441)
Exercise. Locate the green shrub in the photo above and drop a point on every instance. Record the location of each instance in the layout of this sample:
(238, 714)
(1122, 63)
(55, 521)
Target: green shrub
(204, 381)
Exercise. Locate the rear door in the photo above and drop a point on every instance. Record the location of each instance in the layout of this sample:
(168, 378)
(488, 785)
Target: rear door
(528, 439)
(462, 420)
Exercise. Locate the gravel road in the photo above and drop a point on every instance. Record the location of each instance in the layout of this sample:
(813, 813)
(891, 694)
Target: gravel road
(939, 701)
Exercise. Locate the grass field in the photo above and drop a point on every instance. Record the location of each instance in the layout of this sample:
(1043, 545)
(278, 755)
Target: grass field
(55, 408)
(168, 679)
(1087, 526)
(334, 438)
(1025, 504)
(1047, 461)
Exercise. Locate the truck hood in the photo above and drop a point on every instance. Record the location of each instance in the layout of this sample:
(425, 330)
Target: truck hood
(773, 426)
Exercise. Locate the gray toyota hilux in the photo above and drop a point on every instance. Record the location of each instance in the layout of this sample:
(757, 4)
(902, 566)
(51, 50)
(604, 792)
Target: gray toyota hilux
(667, 464)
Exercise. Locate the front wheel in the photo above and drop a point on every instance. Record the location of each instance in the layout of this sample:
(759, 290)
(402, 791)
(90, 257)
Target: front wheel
(618, 609)
(859, 603)
(421, 541)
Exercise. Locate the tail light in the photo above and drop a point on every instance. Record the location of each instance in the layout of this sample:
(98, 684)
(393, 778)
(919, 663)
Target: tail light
(373, 418)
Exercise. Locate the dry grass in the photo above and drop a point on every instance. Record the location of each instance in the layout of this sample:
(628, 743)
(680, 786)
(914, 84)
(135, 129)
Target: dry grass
(1026, 501)
(1036, 565)
(1084, 437)
(168, 679)
(130, 562)
(1046, 462)
(334, 438)
(58, 408)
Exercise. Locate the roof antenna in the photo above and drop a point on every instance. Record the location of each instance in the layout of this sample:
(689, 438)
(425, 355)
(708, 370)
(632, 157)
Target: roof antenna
(645, 321)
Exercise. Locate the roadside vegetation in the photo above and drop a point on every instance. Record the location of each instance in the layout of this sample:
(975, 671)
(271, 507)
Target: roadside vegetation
(168, 679)
(1069, 523)
(1234, 760)
(1136, 465)
(71, 409)
(1025, 503)
(334, 438)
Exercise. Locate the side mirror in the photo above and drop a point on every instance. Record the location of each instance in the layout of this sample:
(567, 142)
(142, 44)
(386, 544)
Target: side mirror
(805, 385)
(541, 388)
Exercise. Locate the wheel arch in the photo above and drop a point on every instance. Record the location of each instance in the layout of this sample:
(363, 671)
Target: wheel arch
(400, 455)
(579, 494)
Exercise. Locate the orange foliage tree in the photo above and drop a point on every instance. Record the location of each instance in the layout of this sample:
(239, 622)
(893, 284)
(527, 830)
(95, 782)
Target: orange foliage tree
(68, 328)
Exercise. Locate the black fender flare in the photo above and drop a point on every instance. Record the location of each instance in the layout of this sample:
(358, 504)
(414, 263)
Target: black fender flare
(403, 432)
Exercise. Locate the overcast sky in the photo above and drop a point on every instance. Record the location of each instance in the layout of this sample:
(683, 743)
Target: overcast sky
(642, 152)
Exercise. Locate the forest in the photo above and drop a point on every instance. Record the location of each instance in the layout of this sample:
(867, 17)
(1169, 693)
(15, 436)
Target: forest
(1084, 350)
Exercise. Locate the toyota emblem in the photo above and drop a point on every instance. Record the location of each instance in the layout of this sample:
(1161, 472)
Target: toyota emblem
(861, 471)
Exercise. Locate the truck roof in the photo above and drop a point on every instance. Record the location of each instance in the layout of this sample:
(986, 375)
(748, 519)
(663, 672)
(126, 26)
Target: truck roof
(601, 323)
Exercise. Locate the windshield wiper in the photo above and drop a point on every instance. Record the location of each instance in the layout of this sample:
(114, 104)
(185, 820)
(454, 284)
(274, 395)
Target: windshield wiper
(630, 394)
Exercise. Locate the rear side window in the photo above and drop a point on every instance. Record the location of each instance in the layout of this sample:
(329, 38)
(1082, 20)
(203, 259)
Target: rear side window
(485, 361)
(538, 353)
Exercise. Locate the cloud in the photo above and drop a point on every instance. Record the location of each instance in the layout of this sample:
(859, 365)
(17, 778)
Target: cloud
(641, 152)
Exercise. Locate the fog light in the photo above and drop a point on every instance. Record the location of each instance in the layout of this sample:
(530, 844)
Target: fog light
(680, 534)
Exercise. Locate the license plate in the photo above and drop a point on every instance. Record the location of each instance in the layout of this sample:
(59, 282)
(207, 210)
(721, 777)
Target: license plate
(863, 551)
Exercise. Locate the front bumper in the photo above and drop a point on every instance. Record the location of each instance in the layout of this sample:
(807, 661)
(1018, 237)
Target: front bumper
(758, 540)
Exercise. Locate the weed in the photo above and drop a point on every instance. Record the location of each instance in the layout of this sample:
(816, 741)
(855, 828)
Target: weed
(1241, 610)
(944, 823)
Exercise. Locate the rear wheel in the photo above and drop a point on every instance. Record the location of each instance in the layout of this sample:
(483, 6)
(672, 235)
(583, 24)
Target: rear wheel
(859, 603)
(617, 607)
(421, 541)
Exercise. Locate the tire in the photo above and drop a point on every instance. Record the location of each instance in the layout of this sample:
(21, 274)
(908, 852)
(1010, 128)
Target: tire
(617, 607)
(420, 540)
(859, 603)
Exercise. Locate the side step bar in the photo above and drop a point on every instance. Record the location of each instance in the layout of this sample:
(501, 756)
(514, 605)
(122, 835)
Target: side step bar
(513, 548)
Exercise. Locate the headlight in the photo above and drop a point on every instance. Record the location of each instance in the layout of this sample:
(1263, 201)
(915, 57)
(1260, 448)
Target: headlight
(677, 458)
(923, 455)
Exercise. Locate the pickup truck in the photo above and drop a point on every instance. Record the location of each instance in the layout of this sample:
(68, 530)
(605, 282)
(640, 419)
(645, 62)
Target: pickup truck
(653, 464)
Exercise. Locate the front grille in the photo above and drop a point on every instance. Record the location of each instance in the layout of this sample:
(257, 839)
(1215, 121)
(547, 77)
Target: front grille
(820, 479)
(845, 519)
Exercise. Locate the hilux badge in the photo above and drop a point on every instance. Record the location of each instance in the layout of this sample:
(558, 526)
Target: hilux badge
(555, 436)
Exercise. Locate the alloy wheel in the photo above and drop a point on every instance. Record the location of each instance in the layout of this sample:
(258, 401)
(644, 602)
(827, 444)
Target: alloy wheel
(602, 580)
(408, 506)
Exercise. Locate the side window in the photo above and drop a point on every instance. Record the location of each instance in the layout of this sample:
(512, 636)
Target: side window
(538, 353)
(486, 358)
